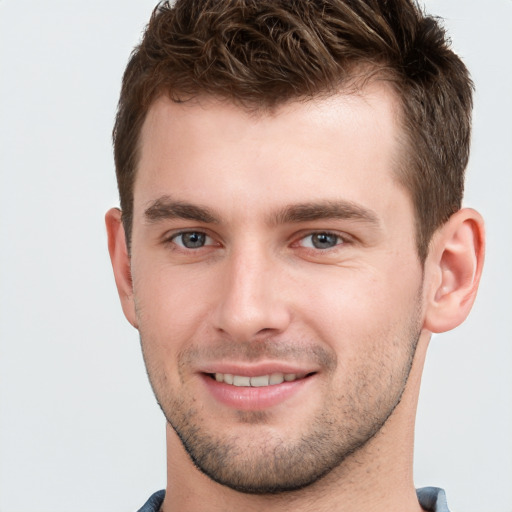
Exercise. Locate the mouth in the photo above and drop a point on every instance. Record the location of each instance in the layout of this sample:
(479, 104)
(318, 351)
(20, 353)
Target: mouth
(258, 381)
(258, 386)
(256, 391)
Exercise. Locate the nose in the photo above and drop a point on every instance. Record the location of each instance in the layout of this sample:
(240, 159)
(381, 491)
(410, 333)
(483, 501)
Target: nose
(252, 299)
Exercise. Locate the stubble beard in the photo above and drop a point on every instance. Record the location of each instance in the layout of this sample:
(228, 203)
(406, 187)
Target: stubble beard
(266, 462)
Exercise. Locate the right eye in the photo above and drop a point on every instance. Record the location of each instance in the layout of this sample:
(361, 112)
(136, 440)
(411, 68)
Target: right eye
(192, 239)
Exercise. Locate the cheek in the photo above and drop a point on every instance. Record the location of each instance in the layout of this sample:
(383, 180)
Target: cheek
(171, 305)
(362, 307)
(171, 311)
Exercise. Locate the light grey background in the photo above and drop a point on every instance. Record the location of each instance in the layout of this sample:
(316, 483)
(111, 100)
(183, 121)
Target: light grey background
(79, 428)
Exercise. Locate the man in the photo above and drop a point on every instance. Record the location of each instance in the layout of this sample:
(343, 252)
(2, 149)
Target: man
(291, 235)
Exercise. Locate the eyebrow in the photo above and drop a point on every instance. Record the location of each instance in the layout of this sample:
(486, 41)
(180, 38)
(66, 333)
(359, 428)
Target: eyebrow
(336, 209)
(165, 208)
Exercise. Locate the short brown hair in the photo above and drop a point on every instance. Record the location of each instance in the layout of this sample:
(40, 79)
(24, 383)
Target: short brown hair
(261, 53)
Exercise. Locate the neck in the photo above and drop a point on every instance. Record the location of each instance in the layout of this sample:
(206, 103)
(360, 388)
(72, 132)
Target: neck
(376, 477)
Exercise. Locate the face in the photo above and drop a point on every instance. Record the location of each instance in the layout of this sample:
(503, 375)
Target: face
(276, 282)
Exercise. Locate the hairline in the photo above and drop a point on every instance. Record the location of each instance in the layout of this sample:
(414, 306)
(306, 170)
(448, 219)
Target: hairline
(354, 84)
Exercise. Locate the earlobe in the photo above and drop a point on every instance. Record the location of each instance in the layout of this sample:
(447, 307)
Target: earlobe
(453, 270)
(120, 263)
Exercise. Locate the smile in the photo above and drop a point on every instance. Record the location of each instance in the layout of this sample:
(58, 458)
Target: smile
(258, 381)
(254, 389)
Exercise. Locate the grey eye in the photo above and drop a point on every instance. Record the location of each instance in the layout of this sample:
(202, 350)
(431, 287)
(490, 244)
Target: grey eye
(321, 240)
(191, 240)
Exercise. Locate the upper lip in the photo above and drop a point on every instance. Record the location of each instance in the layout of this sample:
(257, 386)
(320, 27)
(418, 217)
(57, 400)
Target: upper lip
(254, 370)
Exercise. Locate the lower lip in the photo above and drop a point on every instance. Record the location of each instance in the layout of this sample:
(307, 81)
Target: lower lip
(247, 398)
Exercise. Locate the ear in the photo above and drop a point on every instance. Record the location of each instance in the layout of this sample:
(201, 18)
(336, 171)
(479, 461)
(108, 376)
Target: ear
(121, 263)
(453, 269)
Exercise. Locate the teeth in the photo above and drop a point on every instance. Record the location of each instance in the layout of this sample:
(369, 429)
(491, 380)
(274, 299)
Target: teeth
(276, 378)
(241, 381)
(258, 381)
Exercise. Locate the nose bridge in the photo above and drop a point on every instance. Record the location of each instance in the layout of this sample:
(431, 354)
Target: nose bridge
(251, 301)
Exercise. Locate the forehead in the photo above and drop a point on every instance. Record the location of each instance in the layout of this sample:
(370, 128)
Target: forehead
(211, 151)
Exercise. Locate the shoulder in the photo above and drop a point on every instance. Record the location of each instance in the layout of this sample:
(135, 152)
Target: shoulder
(432, 499)
(154, 503)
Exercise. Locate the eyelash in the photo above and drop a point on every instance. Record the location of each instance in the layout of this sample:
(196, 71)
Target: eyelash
(340, 240)
(172, 239)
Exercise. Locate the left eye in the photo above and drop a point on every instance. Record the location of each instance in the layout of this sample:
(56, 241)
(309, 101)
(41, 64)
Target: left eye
(192, 239)
(321, 240)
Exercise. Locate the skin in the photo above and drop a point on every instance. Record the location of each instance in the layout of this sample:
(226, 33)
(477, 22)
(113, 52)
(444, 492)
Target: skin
(305, 262)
